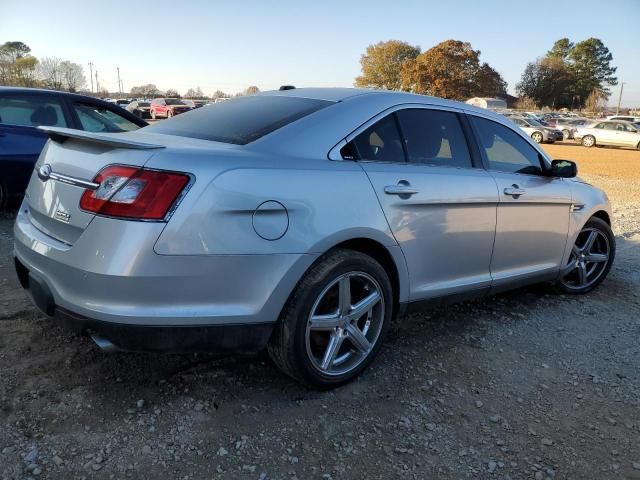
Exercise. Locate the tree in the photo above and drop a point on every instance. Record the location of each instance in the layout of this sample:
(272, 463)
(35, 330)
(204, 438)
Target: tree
(591, 61)
(220, 94)
(50, 72)
(596, 101)
(172, 93)
(17, 66)
(526, 103)
(548, 81)
(194, 93)
(451, 69)
(72, 76)
(145, 91)
(561, 49)
(251, 90)
(382, 64)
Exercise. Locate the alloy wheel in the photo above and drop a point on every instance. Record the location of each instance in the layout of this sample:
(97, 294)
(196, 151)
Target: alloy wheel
(345, 322)
(537, 137)
(588, 260)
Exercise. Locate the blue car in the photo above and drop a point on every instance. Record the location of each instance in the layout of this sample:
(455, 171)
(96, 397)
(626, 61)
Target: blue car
(22, 110)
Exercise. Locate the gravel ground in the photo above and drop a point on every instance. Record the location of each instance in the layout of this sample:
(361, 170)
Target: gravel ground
(525, 385)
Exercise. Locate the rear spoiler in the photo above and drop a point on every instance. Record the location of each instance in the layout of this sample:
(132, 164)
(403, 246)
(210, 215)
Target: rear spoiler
(116, 140)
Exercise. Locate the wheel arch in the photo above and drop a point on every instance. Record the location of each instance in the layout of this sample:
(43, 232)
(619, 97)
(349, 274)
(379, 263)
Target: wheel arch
(602, 215)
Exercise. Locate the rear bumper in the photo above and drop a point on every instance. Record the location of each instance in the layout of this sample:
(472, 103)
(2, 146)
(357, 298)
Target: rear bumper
(111, 274)
(248, 337)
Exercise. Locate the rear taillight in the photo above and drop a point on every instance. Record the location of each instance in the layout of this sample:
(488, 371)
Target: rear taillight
(133, 192)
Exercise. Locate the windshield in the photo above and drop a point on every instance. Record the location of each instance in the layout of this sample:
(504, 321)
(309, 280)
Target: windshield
(534, 122)
(240, 120)
(174, 101)
(144, 104)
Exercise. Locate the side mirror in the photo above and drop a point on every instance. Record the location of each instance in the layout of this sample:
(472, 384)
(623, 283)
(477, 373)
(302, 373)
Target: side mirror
(564, 169)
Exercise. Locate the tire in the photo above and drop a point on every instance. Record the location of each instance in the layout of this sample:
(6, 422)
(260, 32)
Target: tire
(566, 134)
(169, 113)
(593, 272)
(537, 137)
(301, 347)
(152, 114)
(588, 141)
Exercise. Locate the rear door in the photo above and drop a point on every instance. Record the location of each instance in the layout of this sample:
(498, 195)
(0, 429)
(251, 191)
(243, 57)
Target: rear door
(441, 209)
(533, 210)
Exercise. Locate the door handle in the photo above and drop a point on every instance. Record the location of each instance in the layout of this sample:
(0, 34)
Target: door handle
(514, 190)
(401, 190)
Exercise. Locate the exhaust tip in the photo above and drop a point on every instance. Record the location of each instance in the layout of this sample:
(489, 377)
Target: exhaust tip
(103, 343)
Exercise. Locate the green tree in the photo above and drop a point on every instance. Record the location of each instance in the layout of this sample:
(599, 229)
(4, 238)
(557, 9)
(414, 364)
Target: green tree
(561, 49)
(451, 69)
(382, 64)
(590, 61)
(17, 66)
(548, 81)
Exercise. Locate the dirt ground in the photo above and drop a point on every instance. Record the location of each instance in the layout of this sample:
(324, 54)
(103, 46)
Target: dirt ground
(525, 385)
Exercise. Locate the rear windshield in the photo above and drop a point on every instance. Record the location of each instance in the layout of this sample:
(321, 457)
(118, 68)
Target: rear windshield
(240, 120)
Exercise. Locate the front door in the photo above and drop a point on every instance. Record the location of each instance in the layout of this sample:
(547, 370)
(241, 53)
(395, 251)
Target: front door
(533, 210)
(440, 207)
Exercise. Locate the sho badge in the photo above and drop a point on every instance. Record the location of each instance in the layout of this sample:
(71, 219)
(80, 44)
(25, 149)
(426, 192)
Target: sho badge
(62, 216)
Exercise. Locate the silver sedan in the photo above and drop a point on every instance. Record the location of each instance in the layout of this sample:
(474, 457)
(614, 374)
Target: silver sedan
(302, 220)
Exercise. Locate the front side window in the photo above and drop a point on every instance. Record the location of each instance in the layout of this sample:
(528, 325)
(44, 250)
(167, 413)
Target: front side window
(94, 118)
(505, 150)
(31, 111)
(381, 142)
(434, 137)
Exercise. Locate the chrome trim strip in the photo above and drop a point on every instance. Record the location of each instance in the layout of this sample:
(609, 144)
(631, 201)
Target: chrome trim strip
(45, 173)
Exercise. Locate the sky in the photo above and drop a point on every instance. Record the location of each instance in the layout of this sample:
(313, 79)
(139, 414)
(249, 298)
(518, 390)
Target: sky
(230, 45)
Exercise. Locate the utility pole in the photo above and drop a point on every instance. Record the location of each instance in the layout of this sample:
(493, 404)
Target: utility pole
(119, 84)
(97, 84)
(619, 98)
(91, 75)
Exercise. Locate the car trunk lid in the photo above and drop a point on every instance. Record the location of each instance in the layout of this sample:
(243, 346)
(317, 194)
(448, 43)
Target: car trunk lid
(66, 167)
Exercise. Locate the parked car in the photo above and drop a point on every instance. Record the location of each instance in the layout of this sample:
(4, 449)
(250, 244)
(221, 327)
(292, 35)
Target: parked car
(626, 118)
(140, 108)
(167, 107)
(22, 110)
(568, 126)
(302, 220)
(189, 103)
(121, 102)
(612, 133)
(538, 132)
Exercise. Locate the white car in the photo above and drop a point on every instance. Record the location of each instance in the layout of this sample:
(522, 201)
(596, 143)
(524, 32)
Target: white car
(626, 118)
(609, 132)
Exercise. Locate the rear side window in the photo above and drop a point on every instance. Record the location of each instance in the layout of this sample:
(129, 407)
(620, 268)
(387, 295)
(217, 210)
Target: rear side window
(31, 111)
(95, 118)
(381, 142)
(240, 120)
(434, 137)
(505, 150)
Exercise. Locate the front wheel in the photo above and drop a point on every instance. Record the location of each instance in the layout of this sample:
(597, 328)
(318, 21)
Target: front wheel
(153, 114)
(537, 137)
(588, 141)
(591, 258)
(332, 325)
(566, 134)
(169, 113)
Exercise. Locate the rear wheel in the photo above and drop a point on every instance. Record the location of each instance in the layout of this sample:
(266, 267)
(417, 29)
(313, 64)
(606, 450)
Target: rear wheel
(153, 114)
(591, 258)
(588, 141)
(566, 134)
(537, 137)
(333, 324)
(169, 113)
